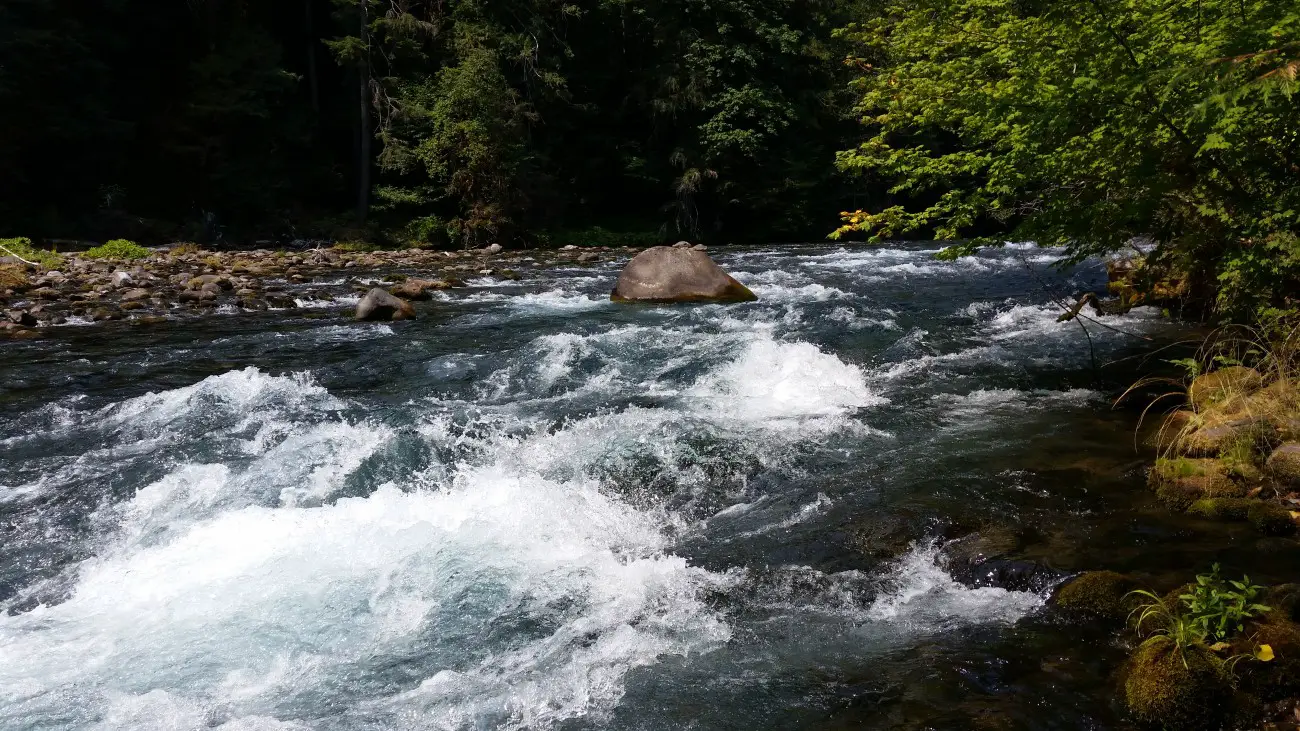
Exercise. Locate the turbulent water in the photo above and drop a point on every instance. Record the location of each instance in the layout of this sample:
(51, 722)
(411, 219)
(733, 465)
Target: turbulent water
(534, 509)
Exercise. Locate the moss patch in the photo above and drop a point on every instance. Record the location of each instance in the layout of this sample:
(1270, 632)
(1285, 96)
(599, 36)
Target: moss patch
(1270, 519)
(1223, 386)
(13, 277)
(1177, 690)
(1221, 508)
(1180, 481)
(1099, 595)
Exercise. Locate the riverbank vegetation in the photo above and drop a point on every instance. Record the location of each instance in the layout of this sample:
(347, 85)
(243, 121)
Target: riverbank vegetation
(1094, 125)
(1165, 130)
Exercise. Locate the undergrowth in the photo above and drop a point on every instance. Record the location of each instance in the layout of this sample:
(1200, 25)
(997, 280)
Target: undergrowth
(22, 248)
(1237, 373)
(117, 249)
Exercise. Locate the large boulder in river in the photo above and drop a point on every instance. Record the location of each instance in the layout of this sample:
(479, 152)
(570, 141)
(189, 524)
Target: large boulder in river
(667, 274)
(380, 305)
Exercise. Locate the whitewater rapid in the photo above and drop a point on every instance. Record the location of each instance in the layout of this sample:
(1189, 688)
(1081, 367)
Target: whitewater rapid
(493, 530)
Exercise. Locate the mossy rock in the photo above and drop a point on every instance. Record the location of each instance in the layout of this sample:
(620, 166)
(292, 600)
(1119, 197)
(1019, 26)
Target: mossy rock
(1223, 386)
(1270, 519)
(1221, 508)
(1280, 677)
(1176, 689)
(1181, 481)
(1284, 464)
(1101, 595)
(1285, 601)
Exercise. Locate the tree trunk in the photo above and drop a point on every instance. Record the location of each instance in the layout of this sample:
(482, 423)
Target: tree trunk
(313, 80)
(367, 136)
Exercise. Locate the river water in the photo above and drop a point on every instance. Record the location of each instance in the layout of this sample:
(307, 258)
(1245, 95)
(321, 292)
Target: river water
(532, 508)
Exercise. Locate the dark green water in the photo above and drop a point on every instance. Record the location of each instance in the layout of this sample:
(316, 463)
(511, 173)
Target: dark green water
(533, 509)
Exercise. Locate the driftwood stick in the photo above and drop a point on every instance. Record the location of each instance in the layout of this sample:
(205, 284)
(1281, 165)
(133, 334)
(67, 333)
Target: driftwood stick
(1074, 309)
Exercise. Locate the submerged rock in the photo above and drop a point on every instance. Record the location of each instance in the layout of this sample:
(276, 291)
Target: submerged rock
(669, 274)
(379, 305)
(987, 559)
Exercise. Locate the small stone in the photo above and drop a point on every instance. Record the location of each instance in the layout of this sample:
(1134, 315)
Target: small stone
(120, 279)
(493, 249)
(135, 294)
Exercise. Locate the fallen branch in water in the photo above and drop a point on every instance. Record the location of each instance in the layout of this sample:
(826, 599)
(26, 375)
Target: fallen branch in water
(1073, 311)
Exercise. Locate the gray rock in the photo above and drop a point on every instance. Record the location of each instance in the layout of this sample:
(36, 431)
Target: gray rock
(379, 305)
(21, 317)
(120, 279)
(1284, 464)
(493, 249)
(132, 295)
(664, 274)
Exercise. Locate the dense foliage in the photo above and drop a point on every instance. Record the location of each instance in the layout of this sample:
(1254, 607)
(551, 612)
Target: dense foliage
(456, 121)
(1088, 124)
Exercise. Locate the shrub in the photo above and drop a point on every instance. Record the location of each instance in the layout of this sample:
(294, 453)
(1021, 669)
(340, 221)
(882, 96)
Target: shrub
(427, 230)
(117, 249)
(357, 246)
(22, 248)
(1220, 608)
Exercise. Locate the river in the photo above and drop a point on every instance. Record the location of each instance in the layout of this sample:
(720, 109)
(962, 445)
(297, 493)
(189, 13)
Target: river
(534, 509)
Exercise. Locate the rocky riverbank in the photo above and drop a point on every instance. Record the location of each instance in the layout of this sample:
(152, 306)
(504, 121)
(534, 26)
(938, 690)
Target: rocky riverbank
(1215, 653)
(186, 282)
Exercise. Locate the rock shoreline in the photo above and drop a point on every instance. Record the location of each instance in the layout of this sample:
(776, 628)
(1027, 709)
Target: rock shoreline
(172, 284)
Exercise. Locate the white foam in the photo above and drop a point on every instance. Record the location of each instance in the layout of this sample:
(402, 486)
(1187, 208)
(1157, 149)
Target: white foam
(920, 595)
(778, 381)
(331, 303)
(243, 610)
